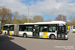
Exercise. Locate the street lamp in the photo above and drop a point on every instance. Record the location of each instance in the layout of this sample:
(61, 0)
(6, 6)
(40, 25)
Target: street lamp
(28, 14)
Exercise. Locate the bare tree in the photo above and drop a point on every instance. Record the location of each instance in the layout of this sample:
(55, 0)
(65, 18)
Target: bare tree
(38, 18)
(5, 15)
(60, 18)
(15, 15)
(48, 20)
(72, 21)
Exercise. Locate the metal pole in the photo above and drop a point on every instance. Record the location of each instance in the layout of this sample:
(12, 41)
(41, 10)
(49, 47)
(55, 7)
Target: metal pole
(28, 14)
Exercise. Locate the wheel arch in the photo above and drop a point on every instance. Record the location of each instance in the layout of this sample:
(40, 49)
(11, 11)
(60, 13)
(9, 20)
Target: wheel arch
(24, 33)
(50, 35)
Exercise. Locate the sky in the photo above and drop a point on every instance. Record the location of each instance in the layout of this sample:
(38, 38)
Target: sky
(48, 9)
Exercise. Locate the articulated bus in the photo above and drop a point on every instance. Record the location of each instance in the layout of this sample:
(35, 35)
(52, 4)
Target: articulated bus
(52, 30)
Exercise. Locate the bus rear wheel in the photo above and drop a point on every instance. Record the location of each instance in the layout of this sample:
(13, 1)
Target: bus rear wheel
(52, 37)
(24, 35)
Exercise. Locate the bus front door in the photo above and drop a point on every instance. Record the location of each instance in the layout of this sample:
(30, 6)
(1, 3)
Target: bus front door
(61, 32)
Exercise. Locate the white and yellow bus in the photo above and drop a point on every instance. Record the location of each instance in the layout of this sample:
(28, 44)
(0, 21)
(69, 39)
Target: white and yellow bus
(52, 30)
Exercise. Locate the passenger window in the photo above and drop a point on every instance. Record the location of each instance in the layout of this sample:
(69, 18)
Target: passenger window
(5, 27)
(44, 29)
(41, 29)
(22, 28)
(25, 30)
(29, 28)
(52, 28)
(11, 28)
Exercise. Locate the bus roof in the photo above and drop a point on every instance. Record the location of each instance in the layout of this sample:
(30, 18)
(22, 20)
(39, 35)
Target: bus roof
(9, 24)
(52, 22)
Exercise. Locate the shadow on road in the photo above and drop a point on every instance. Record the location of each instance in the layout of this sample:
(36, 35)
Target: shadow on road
(6, 44)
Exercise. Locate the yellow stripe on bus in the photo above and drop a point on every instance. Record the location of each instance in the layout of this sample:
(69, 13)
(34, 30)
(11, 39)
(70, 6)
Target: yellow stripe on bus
(45, 34)
(10, 32)
(68, 27)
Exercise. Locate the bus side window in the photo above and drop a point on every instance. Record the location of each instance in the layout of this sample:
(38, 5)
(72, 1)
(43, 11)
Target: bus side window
(50, 29)
(28, 28)
(25, 30)
(54, 28)
(22, 28)
(43, 28)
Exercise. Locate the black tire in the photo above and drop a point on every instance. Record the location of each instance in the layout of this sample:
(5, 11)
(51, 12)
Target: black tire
(24, 35)
(66, 39)
(5, 33)
(52, 37)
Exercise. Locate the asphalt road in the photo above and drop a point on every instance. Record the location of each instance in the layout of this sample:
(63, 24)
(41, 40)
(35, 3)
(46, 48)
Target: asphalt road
(20, 43)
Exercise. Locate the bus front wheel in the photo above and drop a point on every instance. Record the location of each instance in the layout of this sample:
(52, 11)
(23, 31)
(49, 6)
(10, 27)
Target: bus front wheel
(52, 37)
(24, 35)
(5, 33)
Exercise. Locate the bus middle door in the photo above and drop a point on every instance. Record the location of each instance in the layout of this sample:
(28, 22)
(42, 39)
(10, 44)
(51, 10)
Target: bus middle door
(36, 31)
